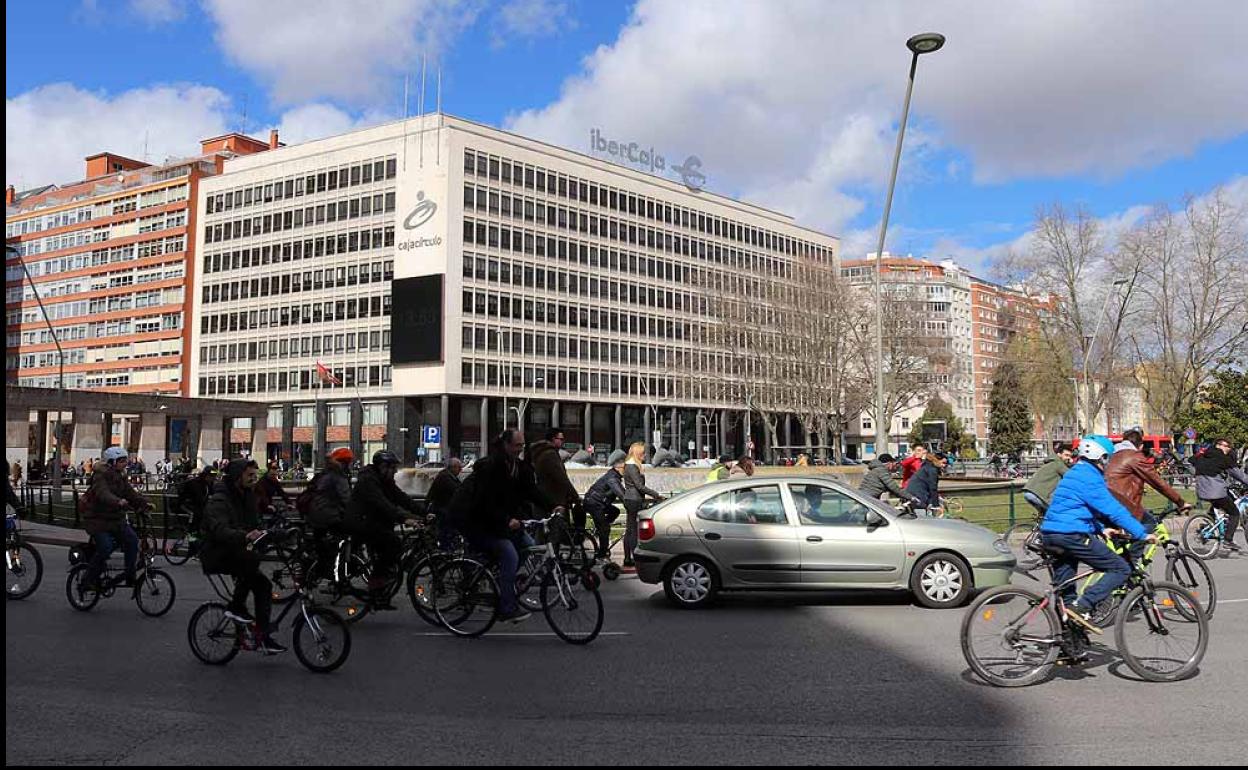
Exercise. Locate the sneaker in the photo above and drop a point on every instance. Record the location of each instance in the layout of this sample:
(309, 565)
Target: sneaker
(629, 563)
(270, 646)
(518, 615)
(1082, 619)
(240, 616)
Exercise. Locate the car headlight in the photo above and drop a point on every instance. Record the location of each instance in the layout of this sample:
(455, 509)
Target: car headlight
(1000, 546)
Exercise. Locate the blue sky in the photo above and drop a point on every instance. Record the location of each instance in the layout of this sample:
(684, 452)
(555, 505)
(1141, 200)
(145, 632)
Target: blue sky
(791, 103)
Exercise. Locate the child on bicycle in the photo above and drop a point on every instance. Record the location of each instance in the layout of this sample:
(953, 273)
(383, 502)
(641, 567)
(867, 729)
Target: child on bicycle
(1081, 505)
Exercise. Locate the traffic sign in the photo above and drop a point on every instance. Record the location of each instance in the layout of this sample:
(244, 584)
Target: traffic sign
(431, 435)
(1190, 434)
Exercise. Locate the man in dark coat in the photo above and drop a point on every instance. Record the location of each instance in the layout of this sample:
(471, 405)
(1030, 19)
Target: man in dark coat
(377, 505)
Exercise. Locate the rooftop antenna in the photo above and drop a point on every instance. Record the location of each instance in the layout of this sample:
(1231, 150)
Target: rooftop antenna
(243, 128)
(438, 140)
(146, 157)
(423, 62)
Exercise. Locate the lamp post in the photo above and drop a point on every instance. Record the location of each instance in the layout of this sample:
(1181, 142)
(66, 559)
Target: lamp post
(12, 252)
(927, 42)
(1087, 355)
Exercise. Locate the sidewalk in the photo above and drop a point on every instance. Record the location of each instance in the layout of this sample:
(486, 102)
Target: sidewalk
(48, 534)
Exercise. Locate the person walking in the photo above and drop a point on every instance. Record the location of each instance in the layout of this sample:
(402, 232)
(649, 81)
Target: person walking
(635, 494)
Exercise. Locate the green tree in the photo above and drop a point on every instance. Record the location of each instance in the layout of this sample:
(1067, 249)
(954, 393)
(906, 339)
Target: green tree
(1009, 419)
(955, 432)
(1221, 410)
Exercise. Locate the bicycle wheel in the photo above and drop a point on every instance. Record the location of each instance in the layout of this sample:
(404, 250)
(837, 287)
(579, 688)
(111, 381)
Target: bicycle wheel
(177, 545)
(1009, 637)
(1018, 537)
(470, 607)
(281, 567)
(322, 642)
(1192, 573)
(25, 570)
(1162, 632)
(572, 605)
(423, 590)
(953, 505)
(1199, 536)
(349, 595)
(155, 593)
(213, 639)
(81, 601)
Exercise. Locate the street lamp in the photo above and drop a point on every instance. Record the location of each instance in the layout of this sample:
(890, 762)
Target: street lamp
(927, 42)
(1087, 355)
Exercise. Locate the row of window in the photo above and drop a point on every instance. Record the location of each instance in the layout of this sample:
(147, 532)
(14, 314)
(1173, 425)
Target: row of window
(377, 340)
(60, 310)
(307, 280)
(487, 374)
(320, 246)
(310, 184)
(336, 414)
(536, 178)
(117, 328)
(278, 381)
(152, 247)
(105, 208)
(493, 305)
(294, 315)
(490, 234)
(293, 219)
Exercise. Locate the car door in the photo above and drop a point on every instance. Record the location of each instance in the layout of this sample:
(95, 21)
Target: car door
(748, 531)
(837, 548)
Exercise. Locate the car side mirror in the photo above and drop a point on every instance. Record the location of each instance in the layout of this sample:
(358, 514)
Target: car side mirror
(876, 519)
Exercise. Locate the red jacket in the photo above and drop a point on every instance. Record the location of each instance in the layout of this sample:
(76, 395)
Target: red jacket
(908, 468)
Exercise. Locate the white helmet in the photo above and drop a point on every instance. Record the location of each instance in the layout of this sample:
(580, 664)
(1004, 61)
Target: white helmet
(1095, 448)
(114, 453)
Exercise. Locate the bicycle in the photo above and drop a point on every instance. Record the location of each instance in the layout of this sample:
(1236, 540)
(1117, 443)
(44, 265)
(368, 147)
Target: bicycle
(568, 596)
(1205, 533)
(1012, 636)
(181, 543)
(153, 591)
(321, 639)
(22, 560)
(1185, 569)
(1019, 538)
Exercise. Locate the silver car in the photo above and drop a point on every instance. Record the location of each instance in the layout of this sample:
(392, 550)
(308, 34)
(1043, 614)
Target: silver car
(810, 533)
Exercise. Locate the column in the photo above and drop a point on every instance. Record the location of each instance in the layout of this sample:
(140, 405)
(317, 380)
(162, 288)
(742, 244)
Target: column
(588, 424)
(152, 436)
(86, 443)
(676, 447)
(619, 426)
(554, 416)
(41, 437)
(357, 428)
(485, 426)
(645, 431)
(212, 439)
(194, 431)
(746, 432)
(788, 433)
(723, 432)
(697, 434)
(17, 440)
(288, 433)
(260, 440)
(398, 440)
(444, 420)
(320, 444)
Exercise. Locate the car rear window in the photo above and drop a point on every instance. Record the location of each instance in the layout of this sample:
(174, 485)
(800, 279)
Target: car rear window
(749, 505)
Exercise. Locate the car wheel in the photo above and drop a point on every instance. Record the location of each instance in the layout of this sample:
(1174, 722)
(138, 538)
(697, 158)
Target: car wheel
(691, 583)
(941, 581)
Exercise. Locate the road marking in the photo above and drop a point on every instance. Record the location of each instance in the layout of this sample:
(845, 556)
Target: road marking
(1232, 601)
(520, 633)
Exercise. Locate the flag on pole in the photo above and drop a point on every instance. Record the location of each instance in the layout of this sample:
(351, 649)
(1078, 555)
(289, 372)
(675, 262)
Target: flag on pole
(327, 377)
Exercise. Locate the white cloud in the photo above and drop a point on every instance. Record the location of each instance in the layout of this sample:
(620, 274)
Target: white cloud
(51, 129)
(319, 120)
(316, 49)
(792, 103)
(158, 11)
(530, 19)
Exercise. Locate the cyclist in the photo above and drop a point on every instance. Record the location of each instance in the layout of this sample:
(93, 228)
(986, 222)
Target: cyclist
(1127, 473)
(1214, 468)
(924, 485)
(109, 498)
(270, 489)
(1039, 488)
(600, 503)
(491, 506)
(879, 479)
(552, 476)
(911, 464)
(1080, 504)
(328, 495)
(376, 506)
(231, 524)
(441, 492)
(194, 495)
(720, 471)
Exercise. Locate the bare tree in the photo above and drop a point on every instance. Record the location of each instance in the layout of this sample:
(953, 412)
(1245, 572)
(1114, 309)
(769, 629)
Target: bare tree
(1069, 259)
(1191, 301)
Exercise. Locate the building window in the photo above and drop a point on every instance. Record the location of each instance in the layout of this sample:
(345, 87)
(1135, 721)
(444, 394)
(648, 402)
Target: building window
(375, 414)
(305, 416)
(275, 417)
(339, 414)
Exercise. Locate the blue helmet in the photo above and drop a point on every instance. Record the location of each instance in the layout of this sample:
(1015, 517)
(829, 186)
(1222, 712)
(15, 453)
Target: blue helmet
(1094, 448)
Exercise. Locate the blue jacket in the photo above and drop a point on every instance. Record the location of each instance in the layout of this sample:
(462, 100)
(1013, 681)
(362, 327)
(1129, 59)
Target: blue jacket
(923, 485)
(1081, 498)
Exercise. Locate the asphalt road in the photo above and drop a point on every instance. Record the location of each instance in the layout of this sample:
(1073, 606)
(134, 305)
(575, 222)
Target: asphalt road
(830, 679)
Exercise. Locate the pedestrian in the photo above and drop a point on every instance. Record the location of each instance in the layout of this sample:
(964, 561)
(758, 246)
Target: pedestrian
(803, 460)
(441, 492)
(17, 474)
(635, 493)
(664, 457)
(584, 455)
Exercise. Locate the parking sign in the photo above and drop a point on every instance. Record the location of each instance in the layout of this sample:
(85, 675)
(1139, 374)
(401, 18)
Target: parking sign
(431, 435)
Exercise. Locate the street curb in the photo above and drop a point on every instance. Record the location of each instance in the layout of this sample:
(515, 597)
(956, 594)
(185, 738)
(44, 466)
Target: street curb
(54, 539)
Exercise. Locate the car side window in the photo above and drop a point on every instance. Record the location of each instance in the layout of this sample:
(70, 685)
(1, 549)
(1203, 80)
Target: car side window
(751, 505)
(818, 505)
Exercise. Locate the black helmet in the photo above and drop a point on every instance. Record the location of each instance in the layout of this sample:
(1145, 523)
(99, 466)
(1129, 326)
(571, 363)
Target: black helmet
(385, 457)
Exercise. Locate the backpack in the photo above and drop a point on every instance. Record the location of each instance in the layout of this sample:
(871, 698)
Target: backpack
(303, 503)
(86, 502)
